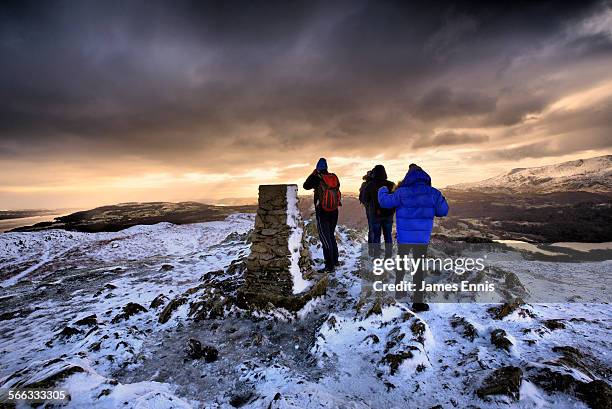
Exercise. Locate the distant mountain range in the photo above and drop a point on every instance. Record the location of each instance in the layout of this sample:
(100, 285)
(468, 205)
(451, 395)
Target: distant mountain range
(588, 175)
(570, 201)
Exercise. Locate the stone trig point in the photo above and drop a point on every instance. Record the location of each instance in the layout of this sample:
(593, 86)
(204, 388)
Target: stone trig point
(279, 269)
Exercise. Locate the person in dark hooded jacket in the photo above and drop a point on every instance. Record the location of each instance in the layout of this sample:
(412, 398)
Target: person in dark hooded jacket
(380, 218)
(367, 178)
(416, 203)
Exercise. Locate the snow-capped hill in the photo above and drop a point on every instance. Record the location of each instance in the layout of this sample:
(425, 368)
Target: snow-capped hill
(590, 175)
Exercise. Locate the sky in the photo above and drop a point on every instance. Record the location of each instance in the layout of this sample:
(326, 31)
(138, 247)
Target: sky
(115, 101)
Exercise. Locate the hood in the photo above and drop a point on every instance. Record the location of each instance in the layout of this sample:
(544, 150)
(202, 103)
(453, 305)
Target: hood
(321, 164)
(379, 172)
(416, 175)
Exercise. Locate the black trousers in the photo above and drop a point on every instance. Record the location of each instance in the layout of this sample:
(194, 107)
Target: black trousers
(326, 225)
(382, 225)
(418, 251)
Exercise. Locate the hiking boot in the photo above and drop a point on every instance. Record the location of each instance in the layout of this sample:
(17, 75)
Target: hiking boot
(420, 307)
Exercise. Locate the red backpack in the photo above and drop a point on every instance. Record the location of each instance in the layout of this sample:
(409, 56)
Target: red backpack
(329, 192)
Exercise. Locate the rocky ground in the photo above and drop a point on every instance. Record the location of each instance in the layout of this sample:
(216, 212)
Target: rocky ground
(146, 318)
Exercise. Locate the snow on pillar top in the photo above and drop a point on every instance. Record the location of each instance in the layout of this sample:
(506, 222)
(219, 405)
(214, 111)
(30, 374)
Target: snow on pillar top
(294, 221)
(276, 251)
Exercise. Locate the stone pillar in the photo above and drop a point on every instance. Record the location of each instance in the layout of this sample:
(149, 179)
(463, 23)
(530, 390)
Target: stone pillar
(279, 259)
(269, 262)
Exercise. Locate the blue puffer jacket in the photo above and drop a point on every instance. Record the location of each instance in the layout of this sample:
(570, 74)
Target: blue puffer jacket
(416, 204)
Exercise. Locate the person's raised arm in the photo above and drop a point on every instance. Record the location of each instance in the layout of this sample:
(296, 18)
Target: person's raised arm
(441, 205)
(312, 181)
(362, 192)
(386, 199)
(367, 194)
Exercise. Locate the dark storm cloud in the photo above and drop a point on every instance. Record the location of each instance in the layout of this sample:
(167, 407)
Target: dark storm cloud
(444, 102)
(532, 150)
(561, 145)
(569, 131)
(450, 138)
(168, 80)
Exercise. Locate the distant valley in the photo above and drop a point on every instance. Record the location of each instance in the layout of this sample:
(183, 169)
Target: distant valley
(569, 201)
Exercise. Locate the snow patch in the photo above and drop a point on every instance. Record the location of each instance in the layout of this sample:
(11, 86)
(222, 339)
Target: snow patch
(295, 240)
(529, 392)
(309, 307)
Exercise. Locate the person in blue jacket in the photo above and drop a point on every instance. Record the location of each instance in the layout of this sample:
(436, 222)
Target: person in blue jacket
(416, 203)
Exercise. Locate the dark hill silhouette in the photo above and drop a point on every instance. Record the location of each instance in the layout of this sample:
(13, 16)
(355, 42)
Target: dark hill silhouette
(121, 216)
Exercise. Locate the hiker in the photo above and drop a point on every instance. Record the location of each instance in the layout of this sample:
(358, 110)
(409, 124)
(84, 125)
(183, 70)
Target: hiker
(326, 200)
(416, 204)
(367, 178)
(380, 219)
